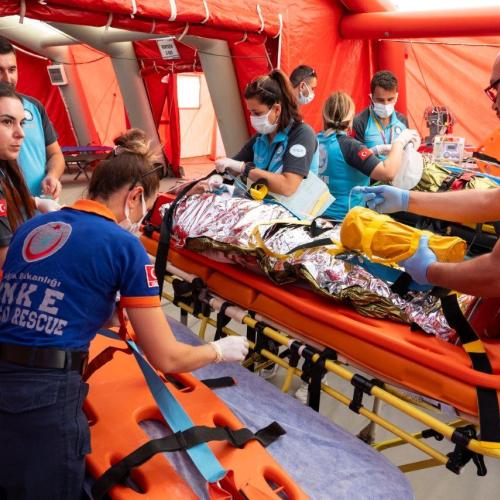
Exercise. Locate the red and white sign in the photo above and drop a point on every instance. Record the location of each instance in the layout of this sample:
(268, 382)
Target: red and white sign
(364, 153)
(3, 208)
(151, 275)
(46, 240)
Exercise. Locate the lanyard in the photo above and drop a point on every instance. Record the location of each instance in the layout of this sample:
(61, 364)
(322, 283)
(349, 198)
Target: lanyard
(381, 130)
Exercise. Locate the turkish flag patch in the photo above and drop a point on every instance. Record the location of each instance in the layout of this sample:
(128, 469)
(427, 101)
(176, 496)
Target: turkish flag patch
(151, 275)
(3, 208)
(364, 153)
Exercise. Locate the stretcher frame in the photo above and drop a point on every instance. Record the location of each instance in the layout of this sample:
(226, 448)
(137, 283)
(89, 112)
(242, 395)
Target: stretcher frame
(466, 448)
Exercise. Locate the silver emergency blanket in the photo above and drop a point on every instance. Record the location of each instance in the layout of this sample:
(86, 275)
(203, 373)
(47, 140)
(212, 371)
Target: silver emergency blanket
(224, 229)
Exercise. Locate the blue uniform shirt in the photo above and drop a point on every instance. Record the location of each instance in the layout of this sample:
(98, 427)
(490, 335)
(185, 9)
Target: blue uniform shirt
(62, 273)
(39, 133)
(344, 163)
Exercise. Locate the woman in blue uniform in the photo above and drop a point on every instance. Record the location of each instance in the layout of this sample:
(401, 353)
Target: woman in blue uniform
(284, 148)
(345, 162)
(61, 276)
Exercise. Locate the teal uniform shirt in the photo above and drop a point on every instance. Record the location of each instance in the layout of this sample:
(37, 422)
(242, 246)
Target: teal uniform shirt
(295, 149)
(344, 163)
(369, 130)
(39, 133)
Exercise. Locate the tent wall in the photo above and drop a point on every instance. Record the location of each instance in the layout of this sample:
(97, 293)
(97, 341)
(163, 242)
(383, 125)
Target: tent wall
(34, 81)
(452, 72)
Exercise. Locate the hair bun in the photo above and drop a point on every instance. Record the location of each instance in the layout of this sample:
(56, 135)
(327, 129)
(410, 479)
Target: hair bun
(133, 141)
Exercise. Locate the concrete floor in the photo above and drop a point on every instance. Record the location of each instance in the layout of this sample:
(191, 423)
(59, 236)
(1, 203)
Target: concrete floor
(434, 484)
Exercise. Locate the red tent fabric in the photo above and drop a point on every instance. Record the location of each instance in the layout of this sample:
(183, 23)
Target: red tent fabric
(34, 81)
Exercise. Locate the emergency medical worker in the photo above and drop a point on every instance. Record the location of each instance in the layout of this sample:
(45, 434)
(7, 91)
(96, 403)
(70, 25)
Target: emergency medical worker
(284, 148)
(479, 276)
(61, 277)
(345, 162)
(41, 159)
(16, 203)
(379, 125)
(304, 81)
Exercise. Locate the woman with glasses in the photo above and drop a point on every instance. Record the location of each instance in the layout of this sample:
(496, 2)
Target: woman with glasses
(284, 148)
(61, 276)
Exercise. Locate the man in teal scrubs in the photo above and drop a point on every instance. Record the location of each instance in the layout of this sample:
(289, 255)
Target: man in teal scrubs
(40, 158)
(379, 125)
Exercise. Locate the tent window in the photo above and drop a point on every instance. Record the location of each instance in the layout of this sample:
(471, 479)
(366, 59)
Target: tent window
(188, 91)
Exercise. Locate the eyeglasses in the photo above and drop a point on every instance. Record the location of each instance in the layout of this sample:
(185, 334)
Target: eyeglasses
(157, 168)
(491, 91)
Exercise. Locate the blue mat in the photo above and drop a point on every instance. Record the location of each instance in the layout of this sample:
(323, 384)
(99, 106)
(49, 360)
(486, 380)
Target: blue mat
(325, 460)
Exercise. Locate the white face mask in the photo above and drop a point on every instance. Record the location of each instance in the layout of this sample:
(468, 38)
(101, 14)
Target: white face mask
(383, 110)
(306, 99)
(133, 227)
(261, 124)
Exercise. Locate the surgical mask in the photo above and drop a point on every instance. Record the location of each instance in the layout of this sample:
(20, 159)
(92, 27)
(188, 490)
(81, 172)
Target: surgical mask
(383, 110)
(261, 124)
(306, 99)
(133, 227)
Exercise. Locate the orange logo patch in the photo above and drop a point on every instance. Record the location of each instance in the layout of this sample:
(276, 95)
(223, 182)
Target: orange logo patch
(365, 153)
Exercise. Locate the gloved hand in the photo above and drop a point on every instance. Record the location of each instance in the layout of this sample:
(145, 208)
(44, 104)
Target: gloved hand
(416, 265)
(382, 149)
(232, 348)
(214, 182)
(408, 135)
(228, 164)
(384, 199)
(45, 205)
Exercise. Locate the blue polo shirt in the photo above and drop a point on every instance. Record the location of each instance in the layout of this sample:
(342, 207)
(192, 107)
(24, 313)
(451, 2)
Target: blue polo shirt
(61, 275)
(39, 133)
(295, 149)
(344, 164)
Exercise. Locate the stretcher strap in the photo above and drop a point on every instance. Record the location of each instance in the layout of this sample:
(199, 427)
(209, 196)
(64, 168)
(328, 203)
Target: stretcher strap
(222, 321)
(487, 399)
(166, 232)
(182, 440)
(178, 420)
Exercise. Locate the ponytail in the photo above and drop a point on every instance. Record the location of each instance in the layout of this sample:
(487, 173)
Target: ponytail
(338, 111)
(275, 88)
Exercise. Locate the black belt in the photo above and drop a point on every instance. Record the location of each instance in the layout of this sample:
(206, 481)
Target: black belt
(44, 357)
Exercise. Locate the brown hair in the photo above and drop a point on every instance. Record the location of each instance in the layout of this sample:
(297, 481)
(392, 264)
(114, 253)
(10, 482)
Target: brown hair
(20, 203)
(338, 111)
(130, 163)
(272, 89)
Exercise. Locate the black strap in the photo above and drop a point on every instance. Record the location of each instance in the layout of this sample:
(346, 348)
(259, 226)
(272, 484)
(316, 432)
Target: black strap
(166, 232)
(222, 321)
(402, 284)
(311, 244)
(461, 455)
(219, 382)
(487, 399)
(120, 471)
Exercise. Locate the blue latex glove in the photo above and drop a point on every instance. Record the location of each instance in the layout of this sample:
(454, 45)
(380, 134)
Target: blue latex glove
(416, 265)
(384, 199)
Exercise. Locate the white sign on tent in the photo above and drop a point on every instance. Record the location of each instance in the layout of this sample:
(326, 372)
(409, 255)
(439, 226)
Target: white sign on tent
(167, 48)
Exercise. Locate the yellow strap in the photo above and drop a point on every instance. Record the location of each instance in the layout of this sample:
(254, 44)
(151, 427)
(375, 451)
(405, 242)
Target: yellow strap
(475, 346)
(319, 203)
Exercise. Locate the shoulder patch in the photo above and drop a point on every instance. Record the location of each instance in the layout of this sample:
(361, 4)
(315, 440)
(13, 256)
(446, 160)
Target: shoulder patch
(298, 151)
(151, 275)
(364, 153)
(3, 208)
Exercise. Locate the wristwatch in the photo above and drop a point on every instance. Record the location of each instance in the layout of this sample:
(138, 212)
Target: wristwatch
(246, 169)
